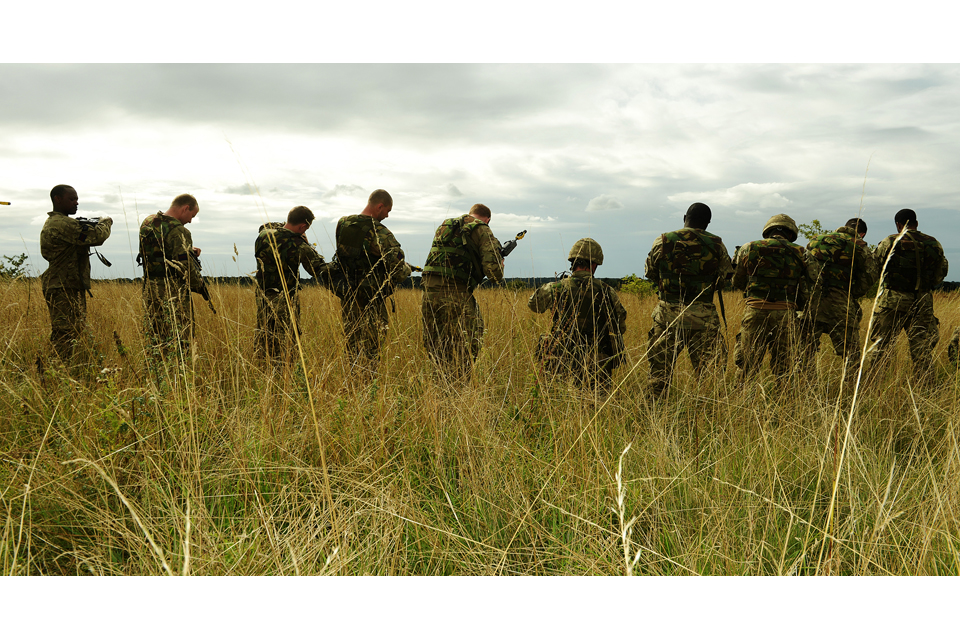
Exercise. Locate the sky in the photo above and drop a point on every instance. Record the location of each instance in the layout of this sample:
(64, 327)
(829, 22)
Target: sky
(612, 151)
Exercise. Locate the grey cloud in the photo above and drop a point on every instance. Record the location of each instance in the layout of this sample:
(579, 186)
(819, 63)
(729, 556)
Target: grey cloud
(452, 191)
(240, 190)
(604, 202)
(342, 190)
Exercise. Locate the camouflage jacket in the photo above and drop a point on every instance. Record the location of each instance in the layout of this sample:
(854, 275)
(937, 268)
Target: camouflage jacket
(369, 255)
(839, 259)
(773, 270)
(586, 311)
(464, 249)
(165, 247)
(917, 265)
(687, 264)
(280, 253)
(65, 244)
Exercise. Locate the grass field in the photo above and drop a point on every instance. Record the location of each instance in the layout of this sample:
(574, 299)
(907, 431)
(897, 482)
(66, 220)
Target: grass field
(220, 468)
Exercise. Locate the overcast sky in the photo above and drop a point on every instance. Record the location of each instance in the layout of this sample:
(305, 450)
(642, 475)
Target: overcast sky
(613, 152)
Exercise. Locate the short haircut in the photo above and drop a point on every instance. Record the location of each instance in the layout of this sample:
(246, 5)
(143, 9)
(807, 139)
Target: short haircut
(184, 199)
(380, 196)
(905, 216)
(858, 224)
(300, 215)
(699, 213)
(59, 190)
(480, 210)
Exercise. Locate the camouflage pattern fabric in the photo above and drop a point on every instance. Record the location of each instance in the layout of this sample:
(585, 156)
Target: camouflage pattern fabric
(772, 269)
(68, 321)
(915, 264)
(464, 249)
(953, 349)
(168, 318)
(280, 253)
(585, 343)
(372, 263)
(762, 330)
(923, 334)
(694, 326)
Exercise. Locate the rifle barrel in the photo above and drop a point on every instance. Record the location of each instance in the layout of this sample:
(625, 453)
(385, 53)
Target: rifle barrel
(4, 203)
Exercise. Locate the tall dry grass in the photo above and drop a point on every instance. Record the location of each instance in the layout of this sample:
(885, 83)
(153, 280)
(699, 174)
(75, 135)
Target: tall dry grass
(219, 467)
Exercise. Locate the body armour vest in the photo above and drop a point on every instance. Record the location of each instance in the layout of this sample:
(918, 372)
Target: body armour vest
(153, 237)
(356, 252)
(688, 265)
(913, 264)
(835, 252)
(452, 254)
(583, 314)
(776, 270)
(278, 258)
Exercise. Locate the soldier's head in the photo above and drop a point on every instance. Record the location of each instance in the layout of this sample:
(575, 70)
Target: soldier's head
(481, 212)
(698, 216)
(299, 220)
(906, 218)
(183, 208)
(585, 255)
(379, 205)
(781, 225)
(65, 199)
(858, 225)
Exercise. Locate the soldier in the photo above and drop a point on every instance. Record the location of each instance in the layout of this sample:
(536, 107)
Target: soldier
(916, 265)
(688, 266)
(372, 263)
(65, 243)
(843, 270)
(775, 277)
(464, 250)
(169, 275)
(586, 339)
(280, 250)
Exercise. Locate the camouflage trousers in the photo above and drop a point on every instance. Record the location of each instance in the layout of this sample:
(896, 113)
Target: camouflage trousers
(168, 318)
(68, 320)
(452, 330)
(839, 319)
(586, 365)
(695, 327)
(923, 334)
(365, 323)
(274, 338)
(762, 330)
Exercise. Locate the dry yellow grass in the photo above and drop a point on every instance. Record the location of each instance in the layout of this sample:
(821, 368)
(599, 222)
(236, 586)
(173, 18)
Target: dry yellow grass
(217, 468)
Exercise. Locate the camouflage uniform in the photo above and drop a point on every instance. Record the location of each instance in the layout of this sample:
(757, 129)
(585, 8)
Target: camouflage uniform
(586, 340)
(774, 276)
(916, 266)
(65, 243)
(464, 250)
(280, 253)
(686, 265)
(372, 263)
(843, 270)
(169, 275)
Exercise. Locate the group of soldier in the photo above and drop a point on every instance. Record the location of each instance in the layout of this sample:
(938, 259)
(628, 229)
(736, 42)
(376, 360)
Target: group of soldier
(793, 295)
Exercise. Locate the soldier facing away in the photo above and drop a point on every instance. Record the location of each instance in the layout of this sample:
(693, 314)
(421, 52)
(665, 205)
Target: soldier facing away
(280, 251)
(585, 342)
(843, 270)
(464, 251)
(916, 265)
(775, 278)
(688, 266)
(372, 263)
(65, 243)
(169, 275)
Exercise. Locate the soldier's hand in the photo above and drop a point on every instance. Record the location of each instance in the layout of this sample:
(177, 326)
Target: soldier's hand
(196, 251)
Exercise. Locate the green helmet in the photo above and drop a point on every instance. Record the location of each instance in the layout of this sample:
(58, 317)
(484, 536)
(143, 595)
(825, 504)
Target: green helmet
(783, 221)
(586, 249)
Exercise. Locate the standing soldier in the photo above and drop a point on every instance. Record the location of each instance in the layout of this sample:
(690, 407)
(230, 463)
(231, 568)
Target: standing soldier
(464, 250)
(586, 340)
(169, 275)
(775, 277)
(688, 265)
(916, 265)
(65, 243)
(843, 270)
(280, 250)
(372, 263)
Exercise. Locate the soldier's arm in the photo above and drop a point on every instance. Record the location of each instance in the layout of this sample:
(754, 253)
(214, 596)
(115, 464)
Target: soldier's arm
(490, 260)
(740, 274)
(392, 255)
(650, 272)
(310, 258)
(880, 255)
(97, 235)
(869, 272)
(942, 271)
(182, 244)
(542, 298)
(725, 270)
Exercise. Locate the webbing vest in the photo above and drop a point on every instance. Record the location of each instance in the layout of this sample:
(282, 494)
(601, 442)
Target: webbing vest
(777, 268)
(835, 252)
(913, 264)
(452, 254)
(355, 250)
(278, 258)
(583, 314)
(153, 255)
(688, 265)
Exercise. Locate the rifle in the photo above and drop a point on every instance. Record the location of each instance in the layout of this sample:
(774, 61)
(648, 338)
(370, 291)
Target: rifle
(4, 203)
(510, 245)
(87, 225)
(204, 291)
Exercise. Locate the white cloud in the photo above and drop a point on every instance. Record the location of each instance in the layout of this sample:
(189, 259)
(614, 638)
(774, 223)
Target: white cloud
(604, 202)
(763, 196)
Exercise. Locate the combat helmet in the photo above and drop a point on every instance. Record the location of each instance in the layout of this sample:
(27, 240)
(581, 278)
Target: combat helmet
(586, 249)
(784, 222)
